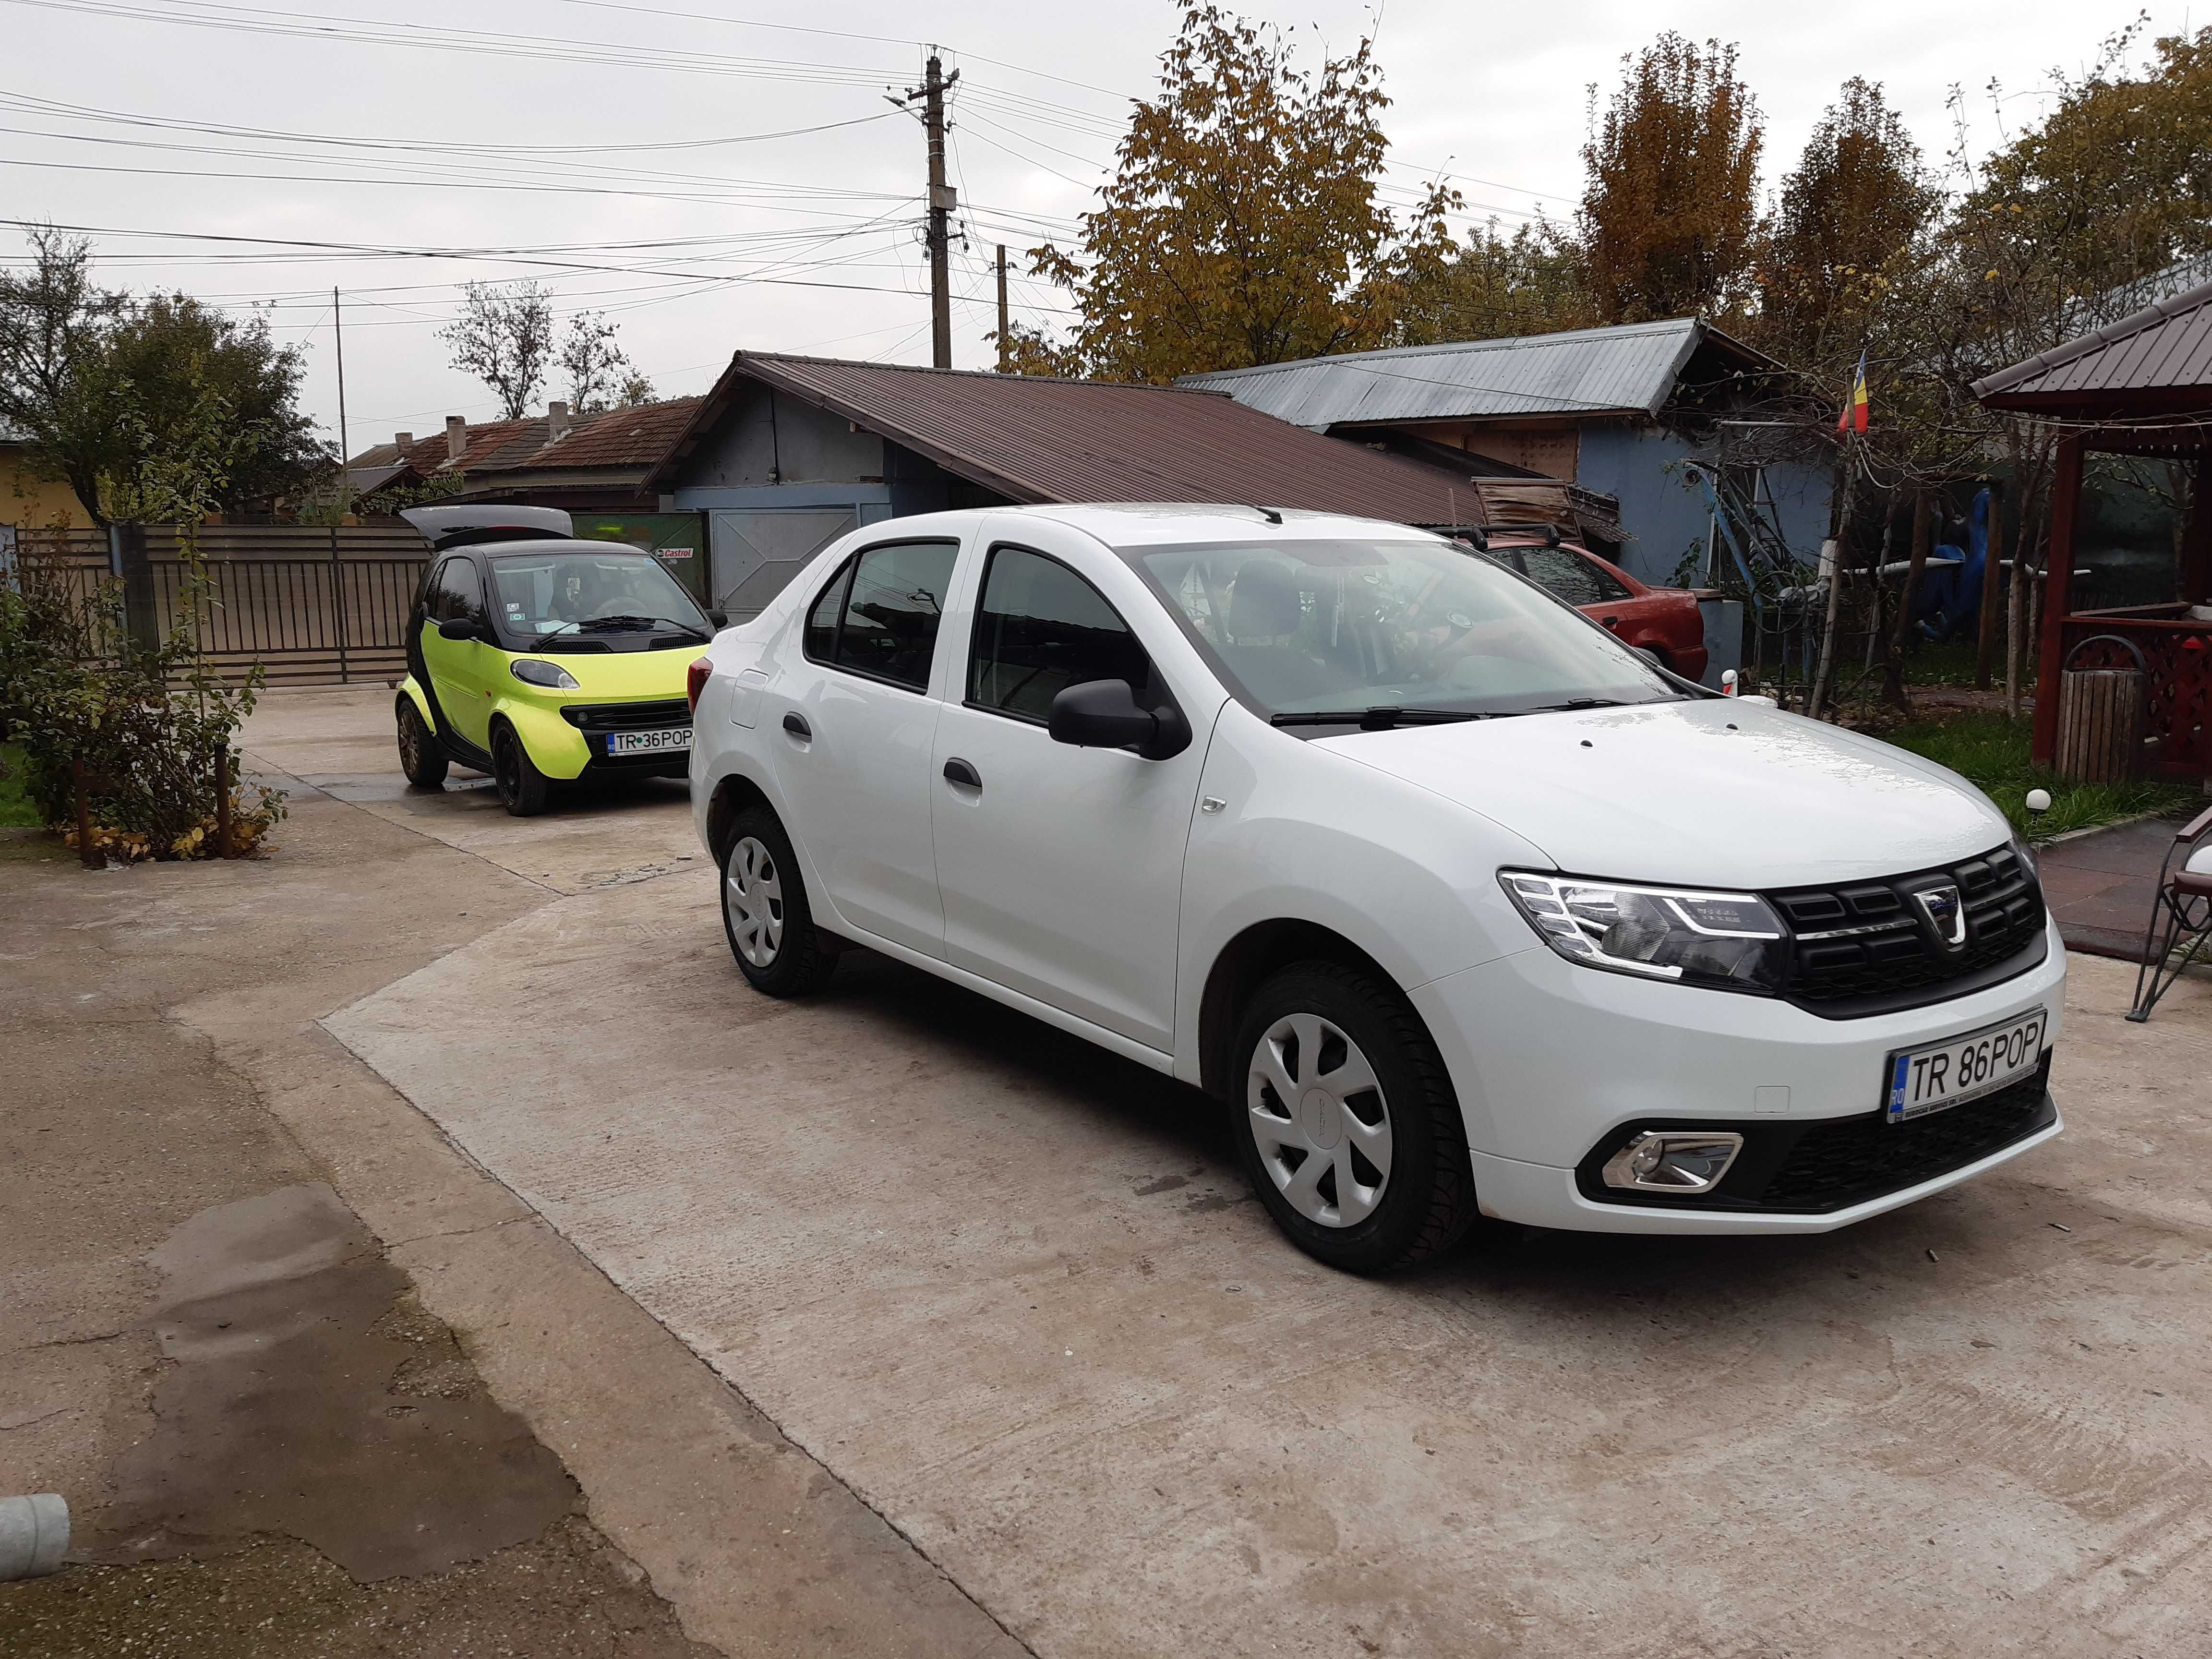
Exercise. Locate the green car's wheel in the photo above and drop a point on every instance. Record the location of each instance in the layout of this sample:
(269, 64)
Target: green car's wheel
(523, 789)
(420, 756)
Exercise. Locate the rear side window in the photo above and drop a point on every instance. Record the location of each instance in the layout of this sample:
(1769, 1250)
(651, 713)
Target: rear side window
(1575, 579)
(821, 620)
(879, 617)
(1040, 628)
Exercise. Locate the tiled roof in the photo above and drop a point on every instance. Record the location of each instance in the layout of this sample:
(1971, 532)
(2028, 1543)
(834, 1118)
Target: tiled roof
(621, 437)
(2149, 361)
(1629, 369)
(1034, 440)
(633, 437)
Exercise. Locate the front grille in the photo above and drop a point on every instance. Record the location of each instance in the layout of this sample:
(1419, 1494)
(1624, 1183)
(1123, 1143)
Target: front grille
(1818, 1165)
(628, 716)
(1844, 1162)
(1863, 949)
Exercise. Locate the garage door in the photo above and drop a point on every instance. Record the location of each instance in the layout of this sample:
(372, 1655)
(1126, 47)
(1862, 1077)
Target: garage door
(756, 553)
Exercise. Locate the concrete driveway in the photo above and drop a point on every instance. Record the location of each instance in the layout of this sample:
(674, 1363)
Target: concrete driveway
(1012, 1293)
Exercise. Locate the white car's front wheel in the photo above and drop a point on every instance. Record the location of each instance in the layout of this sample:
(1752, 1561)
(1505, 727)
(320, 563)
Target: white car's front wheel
(1347, 1123)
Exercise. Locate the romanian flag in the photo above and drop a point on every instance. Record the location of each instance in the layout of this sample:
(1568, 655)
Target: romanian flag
(1854, 417)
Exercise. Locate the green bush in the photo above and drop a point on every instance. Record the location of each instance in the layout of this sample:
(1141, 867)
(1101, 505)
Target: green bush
(145, 723)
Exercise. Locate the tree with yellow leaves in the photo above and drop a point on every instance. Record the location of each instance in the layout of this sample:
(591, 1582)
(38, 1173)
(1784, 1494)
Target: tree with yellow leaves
(1245, 224)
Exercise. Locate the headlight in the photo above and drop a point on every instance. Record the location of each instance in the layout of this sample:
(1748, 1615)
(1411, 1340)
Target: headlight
(535, 670)
(1728, 941)
(2025, 854)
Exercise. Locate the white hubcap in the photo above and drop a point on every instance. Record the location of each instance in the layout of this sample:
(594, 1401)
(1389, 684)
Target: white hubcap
(1319, 1118)
(752, 895)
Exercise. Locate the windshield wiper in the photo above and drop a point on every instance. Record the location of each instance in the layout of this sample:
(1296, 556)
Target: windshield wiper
(625, 619)
(1572, 703)
(1379, 718)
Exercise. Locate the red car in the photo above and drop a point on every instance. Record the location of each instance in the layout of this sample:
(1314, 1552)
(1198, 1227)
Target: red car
(1663, 620)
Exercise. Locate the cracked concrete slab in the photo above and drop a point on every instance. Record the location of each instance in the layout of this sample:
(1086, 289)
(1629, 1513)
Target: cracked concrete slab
(337, 742)
(1009, 1289)
(159, 1025)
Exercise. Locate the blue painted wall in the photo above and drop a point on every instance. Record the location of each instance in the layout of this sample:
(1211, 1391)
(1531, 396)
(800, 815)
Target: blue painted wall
(1664, 507)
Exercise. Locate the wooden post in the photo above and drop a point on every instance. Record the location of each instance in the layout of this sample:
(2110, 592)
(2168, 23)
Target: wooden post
(1006, 357)
(85, 854)
(2057, 586)
(1916, 564)
(222, 800)
(1985, 617)
(2195, 573)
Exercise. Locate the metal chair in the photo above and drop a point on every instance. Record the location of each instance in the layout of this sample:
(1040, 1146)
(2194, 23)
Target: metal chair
(2180, 915)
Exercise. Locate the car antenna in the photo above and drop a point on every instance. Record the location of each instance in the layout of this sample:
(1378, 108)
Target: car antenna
(1268, 514)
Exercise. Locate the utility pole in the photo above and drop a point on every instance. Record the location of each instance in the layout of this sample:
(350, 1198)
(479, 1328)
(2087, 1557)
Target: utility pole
(1002, 308)
(942, 200)
(345, 454)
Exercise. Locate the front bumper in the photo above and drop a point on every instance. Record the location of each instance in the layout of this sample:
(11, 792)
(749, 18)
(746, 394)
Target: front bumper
(1550, 1060)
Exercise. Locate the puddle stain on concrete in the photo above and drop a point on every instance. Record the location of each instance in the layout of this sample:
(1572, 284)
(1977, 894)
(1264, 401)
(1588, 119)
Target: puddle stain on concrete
(304, 1392)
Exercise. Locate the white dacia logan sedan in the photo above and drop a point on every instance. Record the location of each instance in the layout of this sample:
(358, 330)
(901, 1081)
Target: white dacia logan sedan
(1463, 907)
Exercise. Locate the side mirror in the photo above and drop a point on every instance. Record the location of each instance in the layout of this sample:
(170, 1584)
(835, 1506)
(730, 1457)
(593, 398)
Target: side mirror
(460, 628)
(719, 618)
(1105, 714)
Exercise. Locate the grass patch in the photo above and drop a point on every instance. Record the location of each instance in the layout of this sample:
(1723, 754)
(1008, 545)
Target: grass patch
(1992, 752)
(1951, 663)
(16, 807)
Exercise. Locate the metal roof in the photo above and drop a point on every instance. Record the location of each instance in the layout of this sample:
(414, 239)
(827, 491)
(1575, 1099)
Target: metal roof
(1631, 369)
(2157, 360)
(1034, 440)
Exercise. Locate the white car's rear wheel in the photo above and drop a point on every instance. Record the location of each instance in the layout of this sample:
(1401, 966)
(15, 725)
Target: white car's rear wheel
(753, 899)
(1347, 1123)
(765, 914)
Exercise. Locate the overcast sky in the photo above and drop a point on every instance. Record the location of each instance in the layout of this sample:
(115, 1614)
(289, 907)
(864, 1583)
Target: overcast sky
(629, 155)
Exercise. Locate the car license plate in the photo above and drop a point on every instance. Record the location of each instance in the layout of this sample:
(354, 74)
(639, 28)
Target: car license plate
(648, 743)
(1962, 1068)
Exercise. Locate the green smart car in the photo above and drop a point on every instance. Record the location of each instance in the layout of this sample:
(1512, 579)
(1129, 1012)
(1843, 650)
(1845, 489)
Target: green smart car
(544, 660)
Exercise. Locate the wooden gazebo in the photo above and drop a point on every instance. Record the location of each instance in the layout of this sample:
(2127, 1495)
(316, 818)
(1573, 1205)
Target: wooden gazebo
(2141, 386)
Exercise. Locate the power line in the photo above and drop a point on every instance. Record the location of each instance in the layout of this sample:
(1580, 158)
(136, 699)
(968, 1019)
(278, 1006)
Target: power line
(88, 112)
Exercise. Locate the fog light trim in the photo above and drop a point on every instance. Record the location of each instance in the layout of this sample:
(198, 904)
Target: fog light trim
(1680, 1163)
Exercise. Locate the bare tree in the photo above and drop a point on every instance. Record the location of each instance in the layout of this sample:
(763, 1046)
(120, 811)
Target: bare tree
(504, 337)
(600, 372)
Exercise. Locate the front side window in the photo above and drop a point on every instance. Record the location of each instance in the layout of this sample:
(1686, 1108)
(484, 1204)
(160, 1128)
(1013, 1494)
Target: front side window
(879, 617)
(1308, 628)
(1039, 629)
(458, 591)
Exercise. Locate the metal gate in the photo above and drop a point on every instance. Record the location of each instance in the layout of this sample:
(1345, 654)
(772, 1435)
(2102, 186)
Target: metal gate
(757, 552)
(312, 607)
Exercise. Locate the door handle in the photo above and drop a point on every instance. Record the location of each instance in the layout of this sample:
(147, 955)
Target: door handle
(797, 725)
(1611, 622)
(958, 771)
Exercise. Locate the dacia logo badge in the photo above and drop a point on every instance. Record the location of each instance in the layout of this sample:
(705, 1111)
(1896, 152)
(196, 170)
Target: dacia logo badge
(1945, 915)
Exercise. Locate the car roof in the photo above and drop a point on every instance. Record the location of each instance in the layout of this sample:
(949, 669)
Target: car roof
(1139, 524)
(542, 544)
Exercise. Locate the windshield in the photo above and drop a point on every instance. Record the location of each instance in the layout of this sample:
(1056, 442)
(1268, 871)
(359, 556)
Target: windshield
(567, 590)
(1306, 628)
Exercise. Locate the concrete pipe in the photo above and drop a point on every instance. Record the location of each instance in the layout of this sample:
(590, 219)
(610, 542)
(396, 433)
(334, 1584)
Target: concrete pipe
(35, 1534)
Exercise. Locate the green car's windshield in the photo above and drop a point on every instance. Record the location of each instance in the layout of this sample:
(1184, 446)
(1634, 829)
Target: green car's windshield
(1303, 628)
(568, 590)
